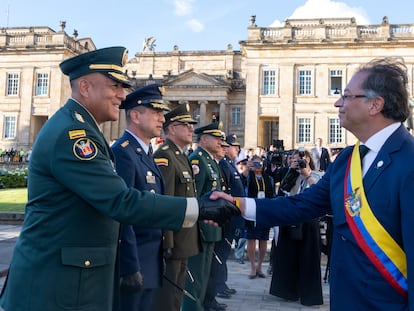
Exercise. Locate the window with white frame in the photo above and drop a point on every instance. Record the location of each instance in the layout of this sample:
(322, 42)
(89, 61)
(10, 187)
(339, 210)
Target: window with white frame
(305, 82)
(304, 130)
(12, 88)
(269, 82)
(336, 132)
(336, 82)
(235, 116)
(42, 83)
(10, 126)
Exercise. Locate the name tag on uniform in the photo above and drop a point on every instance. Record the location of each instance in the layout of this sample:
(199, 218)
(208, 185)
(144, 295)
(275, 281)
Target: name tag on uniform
(186, 175)
(261, 195)
(150, 178)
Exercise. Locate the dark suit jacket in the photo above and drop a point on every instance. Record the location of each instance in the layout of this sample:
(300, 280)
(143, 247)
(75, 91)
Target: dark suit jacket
(66, 252)
(179, 181)
(355, 283)
(323, 160)
(140, 247)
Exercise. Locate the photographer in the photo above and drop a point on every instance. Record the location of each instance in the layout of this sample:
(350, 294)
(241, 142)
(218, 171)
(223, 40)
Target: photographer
(259, 185)
(296, 261)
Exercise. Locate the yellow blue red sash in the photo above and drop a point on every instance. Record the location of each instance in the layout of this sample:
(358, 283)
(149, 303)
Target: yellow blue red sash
(381, 249)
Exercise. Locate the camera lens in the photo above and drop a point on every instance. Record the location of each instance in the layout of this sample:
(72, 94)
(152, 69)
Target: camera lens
(302, 163)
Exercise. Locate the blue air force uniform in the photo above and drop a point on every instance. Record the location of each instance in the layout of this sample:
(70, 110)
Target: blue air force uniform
(140, 246)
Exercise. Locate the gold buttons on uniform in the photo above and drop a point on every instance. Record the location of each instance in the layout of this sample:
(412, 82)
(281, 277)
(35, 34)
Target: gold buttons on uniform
(87, 263)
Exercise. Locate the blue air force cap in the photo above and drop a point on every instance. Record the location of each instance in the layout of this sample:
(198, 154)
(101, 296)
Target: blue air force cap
(149, 96)
(107, 61)
(231, 139)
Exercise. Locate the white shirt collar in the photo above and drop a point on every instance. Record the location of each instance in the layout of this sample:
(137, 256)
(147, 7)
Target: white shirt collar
(376, 141)
(144, 146)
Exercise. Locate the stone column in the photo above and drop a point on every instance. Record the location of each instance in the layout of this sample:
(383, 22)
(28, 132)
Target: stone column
(223, 116)
(203, 112)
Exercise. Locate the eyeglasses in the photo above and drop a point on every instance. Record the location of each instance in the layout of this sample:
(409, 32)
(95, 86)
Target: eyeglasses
(345, 97)
(188, 125)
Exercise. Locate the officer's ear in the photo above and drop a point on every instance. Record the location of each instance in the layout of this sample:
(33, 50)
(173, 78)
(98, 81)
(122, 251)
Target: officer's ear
(82, 85)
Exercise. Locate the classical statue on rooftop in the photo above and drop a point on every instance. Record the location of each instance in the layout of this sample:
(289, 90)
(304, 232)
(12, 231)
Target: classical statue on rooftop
(149, 44)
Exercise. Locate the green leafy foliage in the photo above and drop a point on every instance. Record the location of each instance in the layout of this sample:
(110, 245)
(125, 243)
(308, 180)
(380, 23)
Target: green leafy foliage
(13, 179)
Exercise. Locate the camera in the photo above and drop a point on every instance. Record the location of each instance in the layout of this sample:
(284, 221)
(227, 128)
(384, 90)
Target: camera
(301, 163)
(301, 152)
(257, 164)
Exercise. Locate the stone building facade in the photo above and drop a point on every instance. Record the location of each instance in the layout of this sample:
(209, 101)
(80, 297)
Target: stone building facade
(280, 85)
(295, 73)
(211, 82)
(32, 86)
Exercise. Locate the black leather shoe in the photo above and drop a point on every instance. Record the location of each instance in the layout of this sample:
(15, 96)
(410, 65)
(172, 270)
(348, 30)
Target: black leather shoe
(224, 295)
(230, 291)
(215, 306)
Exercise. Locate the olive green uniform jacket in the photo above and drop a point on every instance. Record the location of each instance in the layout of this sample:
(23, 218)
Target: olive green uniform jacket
(65, 257)
(179, 181)
(207, 177)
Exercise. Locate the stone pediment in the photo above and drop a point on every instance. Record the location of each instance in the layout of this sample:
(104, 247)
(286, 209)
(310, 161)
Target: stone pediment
(192, 78)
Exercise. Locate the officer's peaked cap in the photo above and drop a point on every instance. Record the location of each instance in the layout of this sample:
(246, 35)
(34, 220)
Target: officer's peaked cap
(149, 96)
(181, 113)
(213, 129)
(107, 61)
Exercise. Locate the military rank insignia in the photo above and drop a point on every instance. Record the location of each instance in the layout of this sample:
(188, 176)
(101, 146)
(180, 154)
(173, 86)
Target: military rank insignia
(75, 134)
(85, 149)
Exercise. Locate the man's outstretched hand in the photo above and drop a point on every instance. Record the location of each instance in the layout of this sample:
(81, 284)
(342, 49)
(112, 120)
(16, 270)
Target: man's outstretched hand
(219, 211)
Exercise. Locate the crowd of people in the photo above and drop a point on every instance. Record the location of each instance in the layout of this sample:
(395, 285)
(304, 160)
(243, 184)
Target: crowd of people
(13, 155)
(149, 228)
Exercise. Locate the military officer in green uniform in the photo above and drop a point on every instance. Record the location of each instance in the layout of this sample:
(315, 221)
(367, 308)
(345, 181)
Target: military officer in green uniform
(65, 257)
(207, 177)
(179, 181)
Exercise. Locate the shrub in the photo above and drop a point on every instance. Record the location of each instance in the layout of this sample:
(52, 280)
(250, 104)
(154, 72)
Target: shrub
(13, 179)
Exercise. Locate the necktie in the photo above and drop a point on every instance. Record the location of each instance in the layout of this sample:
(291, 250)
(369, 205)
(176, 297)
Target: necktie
(363, 150)
(150, 151)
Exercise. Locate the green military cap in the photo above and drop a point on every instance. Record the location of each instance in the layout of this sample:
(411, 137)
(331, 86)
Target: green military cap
(107, 61)
(181, 113)
(149, 96)
(213, 129)
(231, 139)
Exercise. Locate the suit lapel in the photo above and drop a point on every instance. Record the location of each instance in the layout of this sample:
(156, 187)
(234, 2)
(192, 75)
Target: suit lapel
(383, 159)
(144, 158)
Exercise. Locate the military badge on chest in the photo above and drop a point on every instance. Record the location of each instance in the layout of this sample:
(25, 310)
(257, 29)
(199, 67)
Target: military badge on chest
(214, 177)
(150, 178)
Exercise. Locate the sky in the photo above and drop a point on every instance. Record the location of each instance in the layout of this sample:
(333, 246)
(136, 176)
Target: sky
(192, 25)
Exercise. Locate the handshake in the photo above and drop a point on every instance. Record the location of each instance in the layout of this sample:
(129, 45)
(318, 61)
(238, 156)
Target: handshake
(219, 210)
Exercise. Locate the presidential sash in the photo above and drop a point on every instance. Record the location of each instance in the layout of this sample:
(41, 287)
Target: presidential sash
(381, 249)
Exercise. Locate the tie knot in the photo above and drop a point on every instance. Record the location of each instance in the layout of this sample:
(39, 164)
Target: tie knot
(150, 151)
(363, 150)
